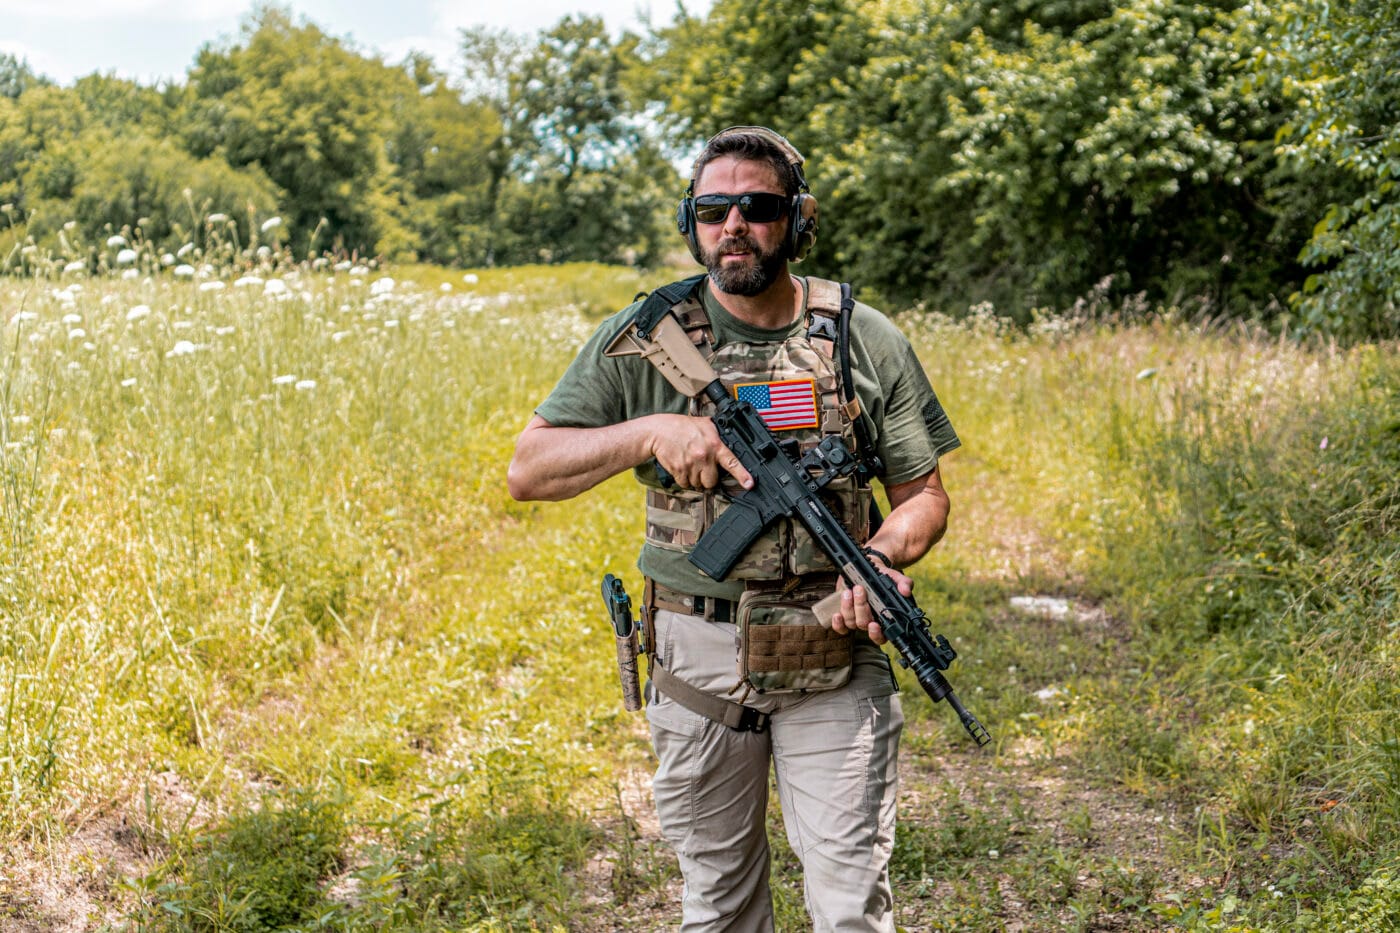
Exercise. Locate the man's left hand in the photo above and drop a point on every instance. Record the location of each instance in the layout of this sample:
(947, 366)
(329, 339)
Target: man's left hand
(855, 612)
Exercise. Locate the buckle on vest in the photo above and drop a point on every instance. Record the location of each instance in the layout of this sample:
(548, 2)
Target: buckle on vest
(751, 720)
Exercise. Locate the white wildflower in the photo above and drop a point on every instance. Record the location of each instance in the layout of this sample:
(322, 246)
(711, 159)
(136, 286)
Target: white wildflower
(342, 266)
(391, 323)
(211, 286)
(184, 271)
(138, 312)
(340, 335)
(71, 318)
(128, 382)
(271, 223)
(275, 287)
(167, 259)
(471, 278)
(216, 218)
(1146, 374)
(264, 252)
(305, 385)
(382, 286)
(129, 275)
(20, 419)
(126, 257)
(182, 348)
(359, 270)
(185, 250)
(77, 333)
(284, 380)
(116, 240)
(76, 265)
(22, 316)
(247, 281)
(445, 287)
(224, 331)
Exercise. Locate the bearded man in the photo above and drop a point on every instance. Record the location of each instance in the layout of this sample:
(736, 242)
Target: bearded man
(720, 714)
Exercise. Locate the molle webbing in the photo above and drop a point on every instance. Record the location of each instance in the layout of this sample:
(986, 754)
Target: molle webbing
(796, 648)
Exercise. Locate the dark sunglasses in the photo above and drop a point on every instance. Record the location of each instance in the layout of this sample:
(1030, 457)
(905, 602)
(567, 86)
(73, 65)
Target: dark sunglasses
(756, 207)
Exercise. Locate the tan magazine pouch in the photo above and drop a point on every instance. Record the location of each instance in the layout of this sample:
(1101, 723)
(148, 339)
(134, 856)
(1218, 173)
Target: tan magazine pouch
(783, 648)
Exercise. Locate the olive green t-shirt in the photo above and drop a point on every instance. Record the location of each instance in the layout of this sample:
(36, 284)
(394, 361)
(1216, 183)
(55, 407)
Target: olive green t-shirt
(908, 426)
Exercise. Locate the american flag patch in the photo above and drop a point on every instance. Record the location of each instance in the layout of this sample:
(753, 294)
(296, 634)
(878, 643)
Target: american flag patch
(785, 405)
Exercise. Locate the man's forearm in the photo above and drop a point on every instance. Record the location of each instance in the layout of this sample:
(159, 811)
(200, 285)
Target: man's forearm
(556, 463)
(917, 520)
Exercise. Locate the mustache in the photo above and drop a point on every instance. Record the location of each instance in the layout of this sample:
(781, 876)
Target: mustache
(734, 244)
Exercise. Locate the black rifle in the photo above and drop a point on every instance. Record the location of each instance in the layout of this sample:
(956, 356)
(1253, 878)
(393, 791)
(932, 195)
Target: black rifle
(788, 486)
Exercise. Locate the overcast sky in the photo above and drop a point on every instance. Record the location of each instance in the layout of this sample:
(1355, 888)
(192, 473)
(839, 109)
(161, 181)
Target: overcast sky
(151, 40)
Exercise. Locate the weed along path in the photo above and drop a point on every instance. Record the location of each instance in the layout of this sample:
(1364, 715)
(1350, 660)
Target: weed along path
(1017, 836)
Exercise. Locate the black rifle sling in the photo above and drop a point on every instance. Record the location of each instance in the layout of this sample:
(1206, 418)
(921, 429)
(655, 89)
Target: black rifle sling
(865, 450)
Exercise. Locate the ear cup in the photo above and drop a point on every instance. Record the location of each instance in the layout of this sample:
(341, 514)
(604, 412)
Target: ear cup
(685, 225)
(802, 226)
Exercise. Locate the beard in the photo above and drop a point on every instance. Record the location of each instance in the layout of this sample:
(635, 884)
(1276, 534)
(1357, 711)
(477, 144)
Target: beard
(750, 277)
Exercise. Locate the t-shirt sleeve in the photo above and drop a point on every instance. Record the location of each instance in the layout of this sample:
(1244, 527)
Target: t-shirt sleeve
(594, 390)
(912, 431)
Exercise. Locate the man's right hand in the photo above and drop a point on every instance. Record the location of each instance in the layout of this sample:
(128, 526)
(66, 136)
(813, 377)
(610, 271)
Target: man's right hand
(689, 448)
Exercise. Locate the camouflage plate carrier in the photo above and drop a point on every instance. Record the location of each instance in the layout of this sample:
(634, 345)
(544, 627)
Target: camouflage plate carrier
(782, 646)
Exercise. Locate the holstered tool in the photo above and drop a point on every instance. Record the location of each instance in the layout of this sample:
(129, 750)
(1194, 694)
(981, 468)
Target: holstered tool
(626, 635)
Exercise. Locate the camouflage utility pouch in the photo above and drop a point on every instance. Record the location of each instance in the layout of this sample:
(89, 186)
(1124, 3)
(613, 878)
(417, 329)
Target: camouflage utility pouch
(783, 648)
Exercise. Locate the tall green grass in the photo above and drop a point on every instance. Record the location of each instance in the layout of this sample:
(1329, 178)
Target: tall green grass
(1232, 502)
(261, 579)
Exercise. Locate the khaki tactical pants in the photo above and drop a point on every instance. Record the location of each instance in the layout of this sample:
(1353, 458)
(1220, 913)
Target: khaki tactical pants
(833, 754)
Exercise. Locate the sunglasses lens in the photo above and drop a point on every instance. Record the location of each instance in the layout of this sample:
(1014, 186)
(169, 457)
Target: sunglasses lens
(711, 208)
(758, 207)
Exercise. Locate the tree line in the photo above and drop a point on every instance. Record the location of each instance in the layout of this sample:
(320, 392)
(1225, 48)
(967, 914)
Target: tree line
(1237, 156)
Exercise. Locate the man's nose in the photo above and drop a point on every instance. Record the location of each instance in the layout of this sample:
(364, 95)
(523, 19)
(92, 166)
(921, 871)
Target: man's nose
(734, 221)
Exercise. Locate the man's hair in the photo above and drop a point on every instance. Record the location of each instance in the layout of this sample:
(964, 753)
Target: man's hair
(751, 147)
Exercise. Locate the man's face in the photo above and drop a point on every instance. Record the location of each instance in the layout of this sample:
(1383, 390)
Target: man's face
(743, 257)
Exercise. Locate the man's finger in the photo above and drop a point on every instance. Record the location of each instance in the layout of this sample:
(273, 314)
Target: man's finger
(731, 464)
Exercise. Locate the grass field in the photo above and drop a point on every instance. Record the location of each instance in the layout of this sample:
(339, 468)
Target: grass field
(277, 651)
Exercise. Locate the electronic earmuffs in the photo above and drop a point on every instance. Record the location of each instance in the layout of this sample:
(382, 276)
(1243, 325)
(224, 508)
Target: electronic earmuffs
(802, 214)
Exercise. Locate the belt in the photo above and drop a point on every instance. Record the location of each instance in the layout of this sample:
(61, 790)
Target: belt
(709, 608)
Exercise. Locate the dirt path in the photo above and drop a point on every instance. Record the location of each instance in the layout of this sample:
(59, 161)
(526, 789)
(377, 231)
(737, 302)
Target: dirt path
(1016, 839)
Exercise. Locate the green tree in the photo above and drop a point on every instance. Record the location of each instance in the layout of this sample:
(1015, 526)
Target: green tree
(16, 76)
(1336, 62)
(578, 177)
(769, 63)
(311, 113)
(446, 154)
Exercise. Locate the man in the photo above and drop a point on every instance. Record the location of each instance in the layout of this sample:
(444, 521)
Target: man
(832, 733)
